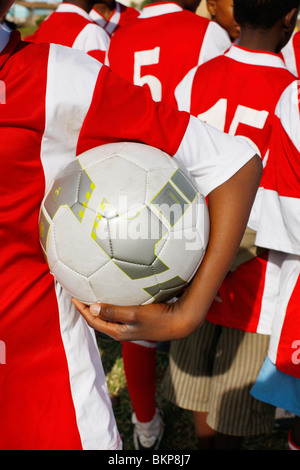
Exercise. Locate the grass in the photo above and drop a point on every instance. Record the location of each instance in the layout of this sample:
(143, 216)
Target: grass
(179, 432)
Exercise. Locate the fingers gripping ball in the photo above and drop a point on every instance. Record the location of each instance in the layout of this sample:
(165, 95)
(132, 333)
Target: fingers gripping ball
(123, 224)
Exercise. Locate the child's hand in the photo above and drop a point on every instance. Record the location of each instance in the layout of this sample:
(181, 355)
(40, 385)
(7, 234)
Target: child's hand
(154, 322)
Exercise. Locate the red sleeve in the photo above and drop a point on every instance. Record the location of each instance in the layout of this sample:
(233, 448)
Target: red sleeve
(98, 55)
(121, 111)
(282, 170)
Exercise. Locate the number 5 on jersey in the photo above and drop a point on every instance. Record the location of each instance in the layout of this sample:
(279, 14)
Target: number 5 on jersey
(142, 58)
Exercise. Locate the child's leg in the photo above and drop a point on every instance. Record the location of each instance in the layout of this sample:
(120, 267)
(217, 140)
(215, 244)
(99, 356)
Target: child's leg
(139, 360)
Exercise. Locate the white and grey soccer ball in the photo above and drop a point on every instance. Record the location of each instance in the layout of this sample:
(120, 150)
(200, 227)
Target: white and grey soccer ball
(123, 224)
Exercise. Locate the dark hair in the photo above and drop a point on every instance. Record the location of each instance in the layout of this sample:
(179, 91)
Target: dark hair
(262, 14)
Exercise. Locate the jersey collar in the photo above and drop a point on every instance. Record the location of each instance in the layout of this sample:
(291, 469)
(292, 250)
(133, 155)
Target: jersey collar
(249, 56)
(70, 8)
(157, 9)
(4, 38)
(8, 43)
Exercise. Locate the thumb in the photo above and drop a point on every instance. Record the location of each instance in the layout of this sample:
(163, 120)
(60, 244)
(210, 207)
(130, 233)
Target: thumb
(105, 312)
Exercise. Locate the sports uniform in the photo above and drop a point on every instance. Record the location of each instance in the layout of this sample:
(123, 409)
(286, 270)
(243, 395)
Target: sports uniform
(162, 45)
(291, 54)
(278, 381)
(70, 25)
(118, 17)
(250, 291)
(252, 115)
(156, 50)
(276, 220)
(53, 393)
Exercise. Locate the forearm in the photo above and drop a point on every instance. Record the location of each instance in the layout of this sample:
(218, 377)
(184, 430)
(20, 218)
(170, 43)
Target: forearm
(229, 207)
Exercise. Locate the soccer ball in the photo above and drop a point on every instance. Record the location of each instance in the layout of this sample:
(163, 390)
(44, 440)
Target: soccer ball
(123, 224)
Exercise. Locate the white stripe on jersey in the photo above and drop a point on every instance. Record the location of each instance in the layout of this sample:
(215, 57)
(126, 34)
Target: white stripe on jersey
(149, 11)
(114, 20)
(215, 41)
(287, 110)
(89, 392)
(289, 57)
(60, 136)
(283, 233)
(183, 91)
(97, 18)
(265, 59)
(92, 38)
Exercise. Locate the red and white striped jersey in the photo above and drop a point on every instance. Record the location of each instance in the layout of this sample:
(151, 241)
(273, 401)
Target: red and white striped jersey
(267, 116)
(277, 220)
(244, 104)
(284, 349)
(58, 103)
(120, 15)
(291, 54)
(161, 45)
(70, 25)
(276, 213)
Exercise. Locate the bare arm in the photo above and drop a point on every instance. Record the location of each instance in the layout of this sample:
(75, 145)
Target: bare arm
(230, 205)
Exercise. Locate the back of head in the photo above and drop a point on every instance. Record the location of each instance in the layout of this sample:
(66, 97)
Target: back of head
(262, 14)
